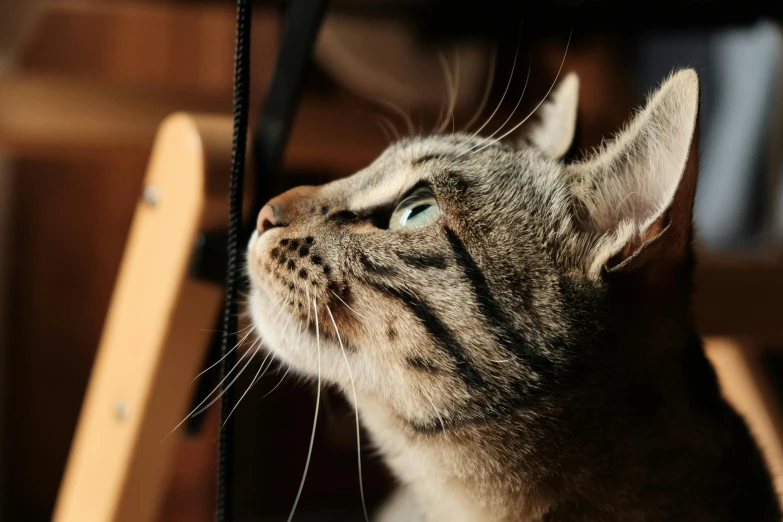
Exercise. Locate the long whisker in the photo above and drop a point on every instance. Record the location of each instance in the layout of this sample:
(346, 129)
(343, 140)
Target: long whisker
(257, 377)
(298, 338)
(230, 384)
(267, 394)
(361, 68)
(222, 331)
(519, 101)
(226, 355)
(406, 118)
(248, 389)
(261, 368)
(317, 405)
(508, 84)
(356, 410)
(189, 415)
(557, 77)
(285, 374)
(450, 93)
(456, 88)
(346, 305)
(280, 311)
(385, 124)
(487, 89)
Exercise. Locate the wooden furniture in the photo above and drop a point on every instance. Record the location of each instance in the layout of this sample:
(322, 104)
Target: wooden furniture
(149, 352)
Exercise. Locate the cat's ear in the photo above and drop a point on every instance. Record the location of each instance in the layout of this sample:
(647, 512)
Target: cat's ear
(636, 194)
(552, 126)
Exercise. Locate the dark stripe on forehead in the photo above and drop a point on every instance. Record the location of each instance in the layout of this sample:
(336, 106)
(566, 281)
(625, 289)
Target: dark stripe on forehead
(492, 311)
(416, 260)
(438, 331)
(432, 157)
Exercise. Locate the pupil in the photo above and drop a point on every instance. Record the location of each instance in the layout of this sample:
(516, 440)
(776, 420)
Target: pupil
(418, 209)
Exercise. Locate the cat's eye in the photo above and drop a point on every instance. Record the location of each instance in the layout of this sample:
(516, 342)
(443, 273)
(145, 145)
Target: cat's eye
(415, 211)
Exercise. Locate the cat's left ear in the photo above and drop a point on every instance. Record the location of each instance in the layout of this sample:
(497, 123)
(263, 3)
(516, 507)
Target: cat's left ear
(635, 197)
(551, 128)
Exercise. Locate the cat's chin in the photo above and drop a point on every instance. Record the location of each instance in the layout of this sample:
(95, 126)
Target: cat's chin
(289, 342)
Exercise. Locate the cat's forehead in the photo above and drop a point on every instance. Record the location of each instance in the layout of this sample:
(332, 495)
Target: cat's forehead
(408, 162)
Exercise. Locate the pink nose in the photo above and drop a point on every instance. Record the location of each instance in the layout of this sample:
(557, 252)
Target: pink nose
(266, 219)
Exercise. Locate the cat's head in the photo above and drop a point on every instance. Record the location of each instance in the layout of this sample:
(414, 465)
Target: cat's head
(457, 277)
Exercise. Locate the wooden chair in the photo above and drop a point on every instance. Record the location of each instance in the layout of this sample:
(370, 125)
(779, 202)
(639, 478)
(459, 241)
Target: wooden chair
(119, 464)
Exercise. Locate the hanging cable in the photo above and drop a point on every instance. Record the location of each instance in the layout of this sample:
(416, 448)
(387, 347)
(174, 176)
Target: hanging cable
(224, 505)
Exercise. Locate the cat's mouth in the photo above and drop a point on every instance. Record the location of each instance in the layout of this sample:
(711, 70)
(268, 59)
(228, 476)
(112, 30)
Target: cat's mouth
(295, 299)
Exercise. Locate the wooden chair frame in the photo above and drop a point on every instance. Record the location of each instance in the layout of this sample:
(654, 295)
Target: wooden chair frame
(149, 351)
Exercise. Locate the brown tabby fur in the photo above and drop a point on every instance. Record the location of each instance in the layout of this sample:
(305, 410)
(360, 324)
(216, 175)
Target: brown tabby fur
(530, 356)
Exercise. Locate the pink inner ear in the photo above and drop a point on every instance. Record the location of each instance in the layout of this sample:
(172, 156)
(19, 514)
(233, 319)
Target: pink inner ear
(639, 240)
(641, 184)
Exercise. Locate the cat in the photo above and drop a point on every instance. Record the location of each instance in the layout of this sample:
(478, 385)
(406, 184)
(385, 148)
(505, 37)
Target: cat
(514, 330)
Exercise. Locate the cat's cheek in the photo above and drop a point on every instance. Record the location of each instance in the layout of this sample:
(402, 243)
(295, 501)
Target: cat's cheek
(267, 324)
(263, 319)
(254, 268)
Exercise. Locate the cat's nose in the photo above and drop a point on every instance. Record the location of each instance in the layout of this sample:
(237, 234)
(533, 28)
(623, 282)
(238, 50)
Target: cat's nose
(285, 209)
(266, 219)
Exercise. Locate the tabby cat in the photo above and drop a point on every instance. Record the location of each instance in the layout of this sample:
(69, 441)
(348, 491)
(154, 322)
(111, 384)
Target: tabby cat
(515, 331)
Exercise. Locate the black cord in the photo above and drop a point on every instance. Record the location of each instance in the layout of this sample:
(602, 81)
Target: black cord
(224, 507)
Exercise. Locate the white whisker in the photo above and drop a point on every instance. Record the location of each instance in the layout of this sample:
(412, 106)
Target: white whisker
(356, 410)
(279, 312)
(508, 84)
(317, 405)
(450, 94)
(223, 331)
(557, 77)
(230, 384)
(385, 124)
(402, 114)
(456, 88)
(226, 355)
(267, 394)
(298, 338)
(346, 305)
(261, 367)
(196, 409)
(487, 90)
(519, 101)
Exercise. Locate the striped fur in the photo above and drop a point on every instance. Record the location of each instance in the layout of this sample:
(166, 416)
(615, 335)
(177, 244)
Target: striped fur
(531, 355)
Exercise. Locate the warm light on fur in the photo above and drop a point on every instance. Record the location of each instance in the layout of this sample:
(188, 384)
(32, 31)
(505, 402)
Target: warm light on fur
(530, 356)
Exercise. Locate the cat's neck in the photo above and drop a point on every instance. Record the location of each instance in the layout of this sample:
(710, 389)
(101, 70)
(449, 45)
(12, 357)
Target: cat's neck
(448, 473)
(515, 469)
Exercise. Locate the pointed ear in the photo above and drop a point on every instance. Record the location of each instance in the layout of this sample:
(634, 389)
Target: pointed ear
(636, 194)
(553, 125)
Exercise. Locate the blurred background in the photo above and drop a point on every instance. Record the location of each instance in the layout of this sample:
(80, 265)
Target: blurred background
(84, 85)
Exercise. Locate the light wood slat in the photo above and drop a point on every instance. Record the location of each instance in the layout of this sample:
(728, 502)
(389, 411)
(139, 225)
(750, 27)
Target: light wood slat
(150, 350)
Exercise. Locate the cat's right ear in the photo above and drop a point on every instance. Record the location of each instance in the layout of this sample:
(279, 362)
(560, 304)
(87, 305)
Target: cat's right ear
(551, 128)
(635, 196)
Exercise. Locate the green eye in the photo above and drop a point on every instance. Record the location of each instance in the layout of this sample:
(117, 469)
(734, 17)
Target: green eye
(417, 210)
